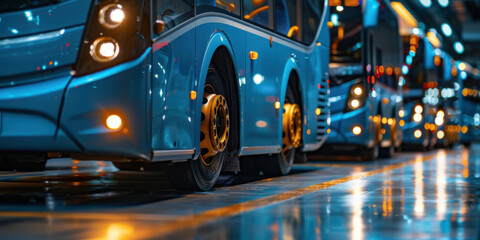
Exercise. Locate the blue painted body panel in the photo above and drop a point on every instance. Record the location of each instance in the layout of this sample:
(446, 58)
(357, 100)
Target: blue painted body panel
(40, 52)
(119, 90)
(30, 115)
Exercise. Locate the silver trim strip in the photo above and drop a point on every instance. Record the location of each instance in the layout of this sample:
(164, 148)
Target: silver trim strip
(312, 146)
(259, 150)
(166, 155)
(32, 38)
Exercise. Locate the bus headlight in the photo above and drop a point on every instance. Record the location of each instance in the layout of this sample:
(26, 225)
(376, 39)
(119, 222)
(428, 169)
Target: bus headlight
(440, 114)
(417, 133)
(354, 104)
(111, 15)
(358, 91)
(440, 134)
(438, 121)
(104, 49)
(357, 130)
(356, 97)
(418, 109)
(417, 117)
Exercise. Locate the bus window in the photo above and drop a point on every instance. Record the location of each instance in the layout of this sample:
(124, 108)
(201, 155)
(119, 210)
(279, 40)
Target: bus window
(229, 6)
(288, 20)
(345, 35)
(311, 13)
(172, 13)
(258, 11)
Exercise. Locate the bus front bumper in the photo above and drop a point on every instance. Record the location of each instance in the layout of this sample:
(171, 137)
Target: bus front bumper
(342, 126)
(67, 114)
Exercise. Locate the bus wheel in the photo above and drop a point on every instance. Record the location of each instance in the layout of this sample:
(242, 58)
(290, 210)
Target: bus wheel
(371, 154)
(25, 162)
(202, 173)
(388, 152)
(281, 163)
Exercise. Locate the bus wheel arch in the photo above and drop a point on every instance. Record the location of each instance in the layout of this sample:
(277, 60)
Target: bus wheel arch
(223, 62)
(292, 122)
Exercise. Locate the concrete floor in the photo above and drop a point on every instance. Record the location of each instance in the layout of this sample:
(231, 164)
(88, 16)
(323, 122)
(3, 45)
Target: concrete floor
(432, 195)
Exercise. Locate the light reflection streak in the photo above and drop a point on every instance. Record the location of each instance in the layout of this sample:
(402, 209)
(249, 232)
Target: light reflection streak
(118, 231)
(441, 182)
(357, 203)
(419, 198)
(465, 157)
(387, 196)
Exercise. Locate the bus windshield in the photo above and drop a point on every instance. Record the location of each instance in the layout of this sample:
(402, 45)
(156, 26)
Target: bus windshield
(414, 51)
(345, 35)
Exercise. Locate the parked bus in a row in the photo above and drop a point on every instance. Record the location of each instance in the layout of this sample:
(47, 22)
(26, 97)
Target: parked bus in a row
(420, 91)
(365, 60)
(469, 103)
(447, 117)
(192, 84)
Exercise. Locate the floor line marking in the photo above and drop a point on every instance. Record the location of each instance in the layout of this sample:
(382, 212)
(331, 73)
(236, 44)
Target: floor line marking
(209, 216)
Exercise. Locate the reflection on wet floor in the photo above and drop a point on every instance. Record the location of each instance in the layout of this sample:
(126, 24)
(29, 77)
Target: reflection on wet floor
(413, 196)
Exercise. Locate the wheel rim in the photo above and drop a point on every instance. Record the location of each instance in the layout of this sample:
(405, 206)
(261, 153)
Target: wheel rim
(292, 127)
(378, 131)
(214, 127)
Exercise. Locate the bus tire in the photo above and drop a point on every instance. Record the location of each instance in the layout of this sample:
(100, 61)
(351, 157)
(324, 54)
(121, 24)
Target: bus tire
(370, 154)
(281, 163)
(201, 174)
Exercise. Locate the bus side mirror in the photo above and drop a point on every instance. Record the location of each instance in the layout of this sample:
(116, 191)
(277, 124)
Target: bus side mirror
(370, 14)
(159, 26)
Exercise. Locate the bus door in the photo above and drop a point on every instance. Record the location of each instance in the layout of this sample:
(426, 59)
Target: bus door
(262, 76)
(171, 68)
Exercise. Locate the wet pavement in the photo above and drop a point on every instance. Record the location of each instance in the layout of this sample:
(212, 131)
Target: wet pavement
(431, 195)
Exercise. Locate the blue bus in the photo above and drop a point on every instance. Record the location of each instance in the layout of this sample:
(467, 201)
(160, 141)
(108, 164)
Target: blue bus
(191, 84)
(422, 72)
(469, 104)
(447, 117)
(365, 60)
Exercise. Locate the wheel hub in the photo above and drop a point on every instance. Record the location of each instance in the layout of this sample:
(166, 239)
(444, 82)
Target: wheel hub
(214, 127)
(292, 126)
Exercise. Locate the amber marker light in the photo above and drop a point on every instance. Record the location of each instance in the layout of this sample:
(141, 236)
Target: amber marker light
(193, 95)
(253, 55)
(357, 130)
(318, 111)
(277, 105)
(114, 122)
(401, 113)
(417, 133)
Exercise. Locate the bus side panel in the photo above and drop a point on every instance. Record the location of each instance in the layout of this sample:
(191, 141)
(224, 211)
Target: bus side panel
(173, 78)
(262, 119)
(214, 32)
